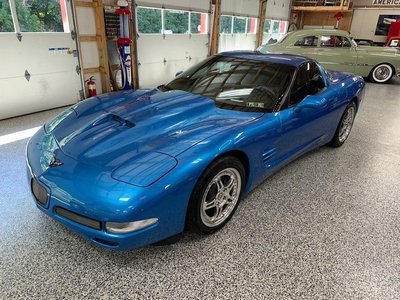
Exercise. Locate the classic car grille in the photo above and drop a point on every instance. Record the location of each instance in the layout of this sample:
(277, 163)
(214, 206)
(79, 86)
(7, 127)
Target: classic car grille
(39, 192)
(78, 218)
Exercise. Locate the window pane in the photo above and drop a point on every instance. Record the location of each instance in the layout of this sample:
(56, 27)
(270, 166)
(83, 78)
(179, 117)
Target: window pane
(303, 86)
(275, 27)
(334, 41)
(39, 16)
(198, 23)
(308, 41)
(225, 24)
(267, 26)
(6, 23)
(176, 21)
(239, 25)
(149, 20)
(251, 25)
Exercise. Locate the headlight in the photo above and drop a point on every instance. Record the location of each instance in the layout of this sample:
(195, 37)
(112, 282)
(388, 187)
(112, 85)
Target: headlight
(127, 227)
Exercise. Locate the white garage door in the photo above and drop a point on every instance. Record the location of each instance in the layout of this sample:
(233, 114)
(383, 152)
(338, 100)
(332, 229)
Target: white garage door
(39, 71)
(171, 38)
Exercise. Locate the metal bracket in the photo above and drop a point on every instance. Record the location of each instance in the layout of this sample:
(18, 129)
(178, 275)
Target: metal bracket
(81, 95)
(73, 35)
(19, 36)
(27, 75)
(75, 53)
(78, 70)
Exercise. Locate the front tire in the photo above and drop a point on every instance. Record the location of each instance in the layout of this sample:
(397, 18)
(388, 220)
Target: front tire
(345, 126)
(381, 73)
(216, 196)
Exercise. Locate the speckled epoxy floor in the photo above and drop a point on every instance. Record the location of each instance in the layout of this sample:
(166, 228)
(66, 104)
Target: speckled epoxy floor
(327, 226)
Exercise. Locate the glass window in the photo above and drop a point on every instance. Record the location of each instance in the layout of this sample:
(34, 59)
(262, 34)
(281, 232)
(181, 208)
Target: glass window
(225, 24)
(198, 23)
(251, 25)
(307, 41)
(334, 41)
(237, 84)
(239, 25)
(39, 16)
(149, 20)
(176, 21)
(267, 26)
(308, 82)
(6, 22)
(275, 26)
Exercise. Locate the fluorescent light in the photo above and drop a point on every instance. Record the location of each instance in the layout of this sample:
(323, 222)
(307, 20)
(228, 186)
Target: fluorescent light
(17, 136)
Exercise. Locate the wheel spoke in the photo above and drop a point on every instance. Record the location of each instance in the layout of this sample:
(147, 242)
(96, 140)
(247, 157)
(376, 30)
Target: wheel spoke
(220, 184)
(209, 205)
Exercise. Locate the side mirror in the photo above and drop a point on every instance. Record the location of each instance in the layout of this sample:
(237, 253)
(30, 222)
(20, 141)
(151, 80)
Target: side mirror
(178, 73)
(310, 102)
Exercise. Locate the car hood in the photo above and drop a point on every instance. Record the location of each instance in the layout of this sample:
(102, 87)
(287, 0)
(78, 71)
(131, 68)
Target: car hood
(115, 128)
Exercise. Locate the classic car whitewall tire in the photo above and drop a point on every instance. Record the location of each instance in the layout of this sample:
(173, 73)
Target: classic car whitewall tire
(216, 195)
(345, 125)
(381, 73)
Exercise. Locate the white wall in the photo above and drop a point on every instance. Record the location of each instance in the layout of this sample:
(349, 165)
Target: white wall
(364, 22)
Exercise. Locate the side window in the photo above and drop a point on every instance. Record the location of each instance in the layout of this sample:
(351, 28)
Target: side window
(346, 42)
(308, 82)
(335, 41)
(307, 41)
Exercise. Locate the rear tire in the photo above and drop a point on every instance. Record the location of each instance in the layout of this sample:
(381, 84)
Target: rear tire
(381, 73)
(216, 196)
(344, 127)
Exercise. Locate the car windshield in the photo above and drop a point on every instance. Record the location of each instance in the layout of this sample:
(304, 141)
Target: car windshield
(236, 83)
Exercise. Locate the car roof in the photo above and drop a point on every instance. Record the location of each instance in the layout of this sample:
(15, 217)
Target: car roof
(319, 31)
(286, 59)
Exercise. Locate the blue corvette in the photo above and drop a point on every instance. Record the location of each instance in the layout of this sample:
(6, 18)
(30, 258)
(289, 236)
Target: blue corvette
(132, 168)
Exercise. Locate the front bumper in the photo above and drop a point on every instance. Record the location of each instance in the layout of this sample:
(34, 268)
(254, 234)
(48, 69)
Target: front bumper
(97, 234)
(90, 196)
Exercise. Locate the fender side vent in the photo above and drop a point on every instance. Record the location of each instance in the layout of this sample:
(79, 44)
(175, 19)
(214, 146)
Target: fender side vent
(268, 155)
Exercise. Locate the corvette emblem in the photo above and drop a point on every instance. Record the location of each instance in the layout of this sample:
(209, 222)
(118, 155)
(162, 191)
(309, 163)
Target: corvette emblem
(55, 162)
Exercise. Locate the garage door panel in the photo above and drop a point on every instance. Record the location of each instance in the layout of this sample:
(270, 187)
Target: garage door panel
(52, 79)
(228, 42)
(168, 56)
(35, 94)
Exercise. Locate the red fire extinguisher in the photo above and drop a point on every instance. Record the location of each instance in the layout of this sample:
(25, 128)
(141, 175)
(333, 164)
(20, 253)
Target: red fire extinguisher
(91, 85)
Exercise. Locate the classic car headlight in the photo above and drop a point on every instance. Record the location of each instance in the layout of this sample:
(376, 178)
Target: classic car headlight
(127, 227)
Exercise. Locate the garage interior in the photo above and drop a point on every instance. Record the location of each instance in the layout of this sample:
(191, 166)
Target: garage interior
(324, 226)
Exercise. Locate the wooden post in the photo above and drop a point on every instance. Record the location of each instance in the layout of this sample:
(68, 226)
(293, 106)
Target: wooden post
(134, 56)
(261, 19)
(215, 13)
(102, 46)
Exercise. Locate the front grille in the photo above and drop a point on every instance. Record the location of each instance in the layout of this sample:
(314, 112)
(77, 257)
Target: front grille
(39, 192)
(78, 218)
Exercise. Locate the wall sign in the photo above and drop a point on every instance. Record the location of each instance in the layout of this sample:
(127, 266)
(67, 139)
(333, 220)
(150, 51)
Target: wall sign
(386, 2)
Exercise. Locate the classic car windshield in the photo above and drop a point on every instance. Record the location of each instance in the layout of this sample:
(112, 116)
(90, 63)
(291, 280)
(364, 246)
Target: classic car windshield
(237, 84)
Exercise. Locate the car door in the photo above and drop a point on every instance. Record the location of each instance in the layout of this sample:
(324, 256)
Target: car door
(337, 53)
(304, 127)
(306, 45)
